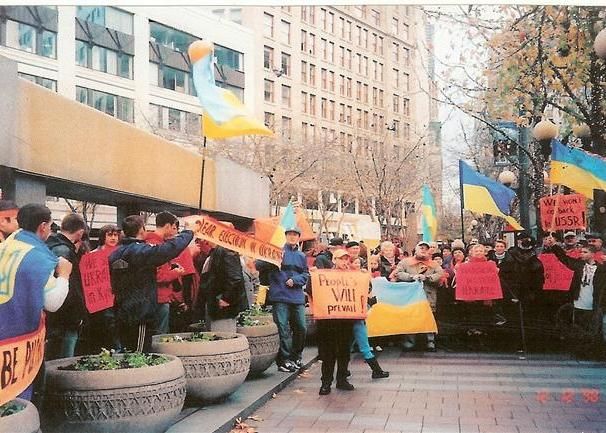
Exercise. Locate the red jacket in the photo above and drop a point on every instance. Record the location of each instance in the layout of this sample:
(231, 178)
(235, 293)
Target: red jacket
(165, 275)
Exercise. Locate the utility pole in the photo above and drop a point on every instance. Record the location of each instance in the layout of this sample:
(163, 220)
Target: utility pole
(524, 181)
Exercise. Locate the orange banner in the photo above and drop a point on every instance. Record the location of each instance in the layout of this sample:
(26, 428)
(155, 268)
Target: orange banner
(563, 212)
(21, 359)
(210, 229)
(339, 294)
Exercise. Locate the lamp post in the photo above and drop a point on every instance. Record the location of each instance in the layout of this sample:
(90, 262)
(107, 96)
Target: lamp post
(544, 131)
(599, 44)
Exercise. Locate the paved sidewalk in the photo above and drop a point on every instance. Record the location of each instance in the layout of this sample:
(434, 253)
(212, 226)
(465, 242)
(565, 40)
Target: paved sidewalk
(447, 393)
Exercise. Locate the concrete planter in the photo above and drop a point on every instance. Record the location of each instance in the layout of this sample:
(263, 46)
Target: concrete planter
(213, 369)
(145, 400)
(24, 421)
(264, 344)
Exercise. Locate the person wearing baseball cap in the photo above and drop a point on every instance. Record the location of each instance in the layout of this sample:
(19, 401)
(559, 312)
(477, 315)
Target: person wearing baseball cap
(8, 218)
(571, 245)
(595, 239)
(420, 267)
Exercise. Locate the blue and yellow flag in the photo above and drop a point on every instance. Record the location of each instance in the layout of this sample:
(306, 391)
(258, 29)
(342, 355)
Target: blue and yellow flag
(288, 221)
(484, 195)
(401, 308)
(577, 169)
(224, 115)
(429, 216)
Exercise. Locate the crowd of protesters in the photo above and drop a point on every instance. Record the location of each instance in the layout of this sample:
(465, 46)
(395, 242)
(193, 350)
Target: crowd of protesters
(165, 280)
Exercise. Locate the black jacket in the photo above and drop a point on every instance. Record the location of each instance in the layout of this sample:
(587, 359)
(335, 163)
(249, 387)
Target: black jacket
(73, 311)
(133, 273)
(226, 282)
(521, 274)
(577, 265)
(324, 260)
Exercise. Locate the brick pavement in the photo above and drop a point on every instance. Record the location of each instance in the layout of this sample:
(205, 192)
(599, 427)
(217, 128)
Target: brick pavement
(447, 393)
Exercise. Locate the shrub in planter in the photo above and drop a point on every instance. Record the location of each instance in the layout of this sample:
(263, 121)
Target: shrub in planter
(263, 338)
(216, 363)
(110, 393)
(19, 416)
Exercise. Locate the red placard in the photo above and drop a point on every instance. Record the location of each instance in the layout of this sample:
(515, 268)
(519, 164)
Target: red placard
(186, 261)
(478, 281)
(557, 276)
(563, 212)
(96, 282)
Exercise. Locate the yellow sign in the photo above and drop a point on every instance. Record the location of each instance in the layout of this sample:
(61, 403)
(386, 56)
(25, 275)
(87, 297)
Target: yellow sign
(21, 357)
(210, 229)
(339, 294)
(11, 255)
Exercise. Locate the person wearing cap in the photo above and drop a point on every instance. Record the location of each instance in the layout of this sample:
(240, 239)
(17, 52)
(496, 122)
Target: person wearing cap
(287, 296)
(324, 259)
(522, 273)
(334, 340)
(353, 249)
(8, 219)
(420, 267)
(595, 239)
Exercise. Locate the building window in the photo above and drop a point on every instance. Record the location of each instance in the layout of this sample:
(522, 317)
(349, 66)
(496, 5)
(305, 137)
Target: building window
(381, 72)
(312, 44)
(366, 93)
(104, 60)
(374, 43)
(285, 32)
(286, 127)
(304, 13)
(286, 64)
(304, 131)
(324, 48)
(396, 103)
(268, 25)
(228, 57)
(324, 108)
(406, 31)
(323, 79)
(303, 41)
(268, 93)
(331, 81)
(365, 66)
(304, 102)
(348, 87)
(286, 95)
(406, 106)
(268, 57)
(323, 19)
(41, 81)
(175, 79)
(304, 72)
(331, 22)
(331, 52)
(406, 54)
(341, 28)
(341, 58)
(365, 38)
(406, 82)
(331, 110)
(109, 17)
(381, 43)
(406, 130)
(375, 70)
(116, 106)
(375, 17)
(175, 120)
(381, 98)
(270, 120)
(312, 75)
(348, 31)
(375, 96)
(348, 59)
(396, 78)
(395, 51)
(342, 85)
(358, 91)
(359, 11)
(312, 105)
(31, 39)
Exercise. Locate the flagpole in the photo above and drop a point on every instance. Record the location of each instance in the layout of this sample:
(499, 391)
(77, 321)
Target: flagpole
(462, 199)
(203, 167)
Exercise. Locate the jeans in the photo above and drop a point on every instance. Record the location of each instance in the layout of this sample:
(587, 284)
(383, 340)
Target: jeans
(360, 335)
(290, 319)
(61, 342)
(161, 319)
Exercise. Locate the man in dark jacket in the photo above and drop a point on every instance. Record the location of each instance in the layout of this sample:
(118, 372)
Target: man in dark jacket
(226, 292)
(288, 300)
(64, 325)
(133, 273)
(324, 259)
(588, 285)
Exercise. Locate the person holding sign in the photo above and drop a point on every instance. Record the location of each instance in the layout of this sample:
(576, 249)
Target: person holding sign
(32, 279)
(288, 300)
(588, 286)
(420, 267)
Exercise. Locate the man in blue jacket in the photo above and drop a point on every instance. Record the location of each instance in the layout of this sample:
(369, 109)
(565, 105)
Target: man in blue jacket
(133, 273)
(288, 300)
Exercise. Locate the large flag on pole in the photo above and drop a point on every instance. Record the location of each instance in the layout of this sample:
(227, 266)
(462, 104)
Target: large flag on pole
(288, 221)
(484, 195)
(429, 216)
(224, 115)
(265, 228)
(577, 169)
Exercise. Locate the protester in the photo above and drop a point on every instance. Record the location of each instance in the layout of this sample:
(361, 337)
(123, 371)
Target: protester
(324, 259)
(588, 286)
(571, 246)
(420, 267)
(133, 274)
(446, 256)
(353, 249)
(388, 258)
(65, 325)
(226, 290)
(287, 297)
(167, 274)
(334, 340)
(500, 249)
(8, 219)
(595, 239)
(251, 279)
(27, 281)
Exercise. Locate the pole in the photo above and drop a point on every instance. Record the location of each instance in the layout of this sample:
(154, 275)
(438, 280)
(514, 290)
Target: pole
(462, 199)
(524, 181)
(202, 175)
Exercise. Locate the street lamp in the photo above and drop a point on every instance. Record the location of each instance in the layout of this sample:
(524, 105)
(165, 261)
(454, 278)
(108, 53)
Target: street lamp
(507, 178)
(544, 132)
(599, 45)
(583, 132)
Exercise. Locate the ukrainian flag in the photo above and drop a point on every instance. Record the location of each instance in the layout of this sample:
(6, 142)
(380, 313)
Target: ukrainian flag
(288, 221)
(429, 217)
(402, 308)
(224, 115)
(484, 195)
(577, 169)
